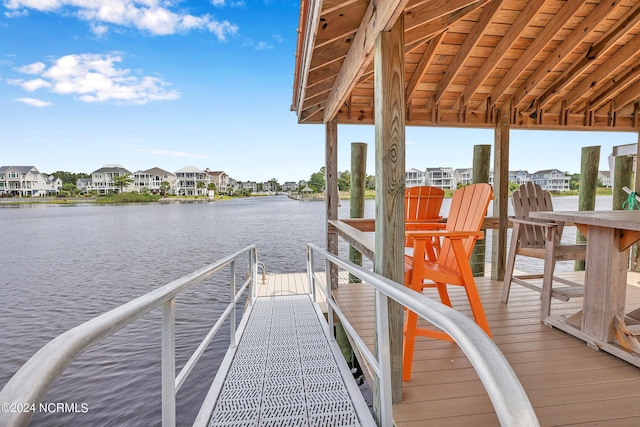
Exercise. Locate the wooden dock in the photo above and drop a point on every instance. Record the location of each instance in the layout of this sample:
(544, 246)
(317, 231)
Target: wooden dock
(568, 383)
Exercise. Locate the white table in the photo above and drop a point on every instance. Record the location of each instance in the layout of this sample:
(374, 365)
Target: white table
(601, 322)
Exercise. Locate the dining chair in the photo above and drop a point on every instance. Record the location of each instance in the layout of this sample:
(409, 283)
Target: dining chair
(422, 209)
(541, 240)
(426, 269)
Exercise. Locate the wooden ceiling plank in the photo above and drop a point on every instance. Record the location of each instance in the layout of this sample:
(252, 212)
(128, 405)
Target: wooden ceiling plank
(426, 59)
(470, 42)
(605, 43)
(339, 23)
(601, 11)
(556, 24)
(426, 31)
(604, 71)
(380, 16)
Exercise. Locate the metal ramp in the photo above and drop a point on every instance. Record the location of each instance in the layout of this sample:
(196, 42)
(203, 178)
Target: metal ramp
(286, 373)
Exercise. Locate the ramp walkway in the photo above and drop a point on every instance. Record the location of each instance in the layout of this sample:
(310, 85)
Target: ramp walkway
(285, 372)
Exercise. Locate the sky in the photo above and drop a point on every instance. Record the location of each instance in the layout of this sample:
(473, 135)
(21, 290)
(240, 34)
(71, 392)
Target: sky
(207, 83)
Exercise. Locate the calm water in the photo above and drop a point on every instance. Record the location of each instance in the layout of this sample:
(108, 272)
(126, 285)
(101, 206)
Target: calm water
(62, 265)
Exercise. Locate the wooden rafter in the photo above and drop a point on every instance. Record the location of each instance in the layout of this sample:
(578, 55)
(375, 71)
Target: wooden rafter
(426, 59)
(594, 18)
(606, 42)
(427, 30)
(615, 87)
(632, 93)
(569, 8)
(469, 44)
(604, 71)
(380, 16)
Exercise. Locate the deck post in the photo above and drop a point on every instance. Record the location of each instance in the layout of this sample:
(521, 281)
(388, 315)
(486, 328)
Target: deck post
(588, 185)
(634, 263)
(621, 178)
(169, 363)
(389, 109)
(501, 195)
(356, 194)
(332, 197)
(481, 169)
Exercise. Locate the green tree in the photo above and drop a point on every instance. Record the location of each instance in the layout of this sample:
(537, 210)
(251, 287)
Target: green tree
(70, 189)
(122, 181)
(574, 183)
(370, 182)
(164, 187)
(344, 180)
(70, 177)
(316, 181)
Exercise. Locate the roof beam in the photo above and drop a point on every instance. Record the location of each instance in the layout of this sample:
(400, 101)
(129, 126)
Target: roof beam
(616, 89)
(380, 16)
(469, 43)
(607, 41)
(603, 72)
(602, 10)
(629, 95)
(426, 59)
(417, 35)
(550, 30)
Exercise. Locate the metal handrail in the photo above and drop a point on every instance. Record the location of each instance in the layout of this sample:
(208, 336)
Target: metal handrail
(509, 399)
(29, 385)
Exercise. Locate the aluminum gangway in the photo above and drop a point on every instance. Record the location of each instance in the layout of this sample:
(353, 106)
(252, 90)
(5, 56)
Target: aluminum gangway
(286, 372)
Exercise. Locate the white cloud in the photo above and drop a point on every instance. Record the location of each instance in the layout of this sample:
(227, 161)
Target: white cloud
(263, 46)
(34, 102)
(277, 37)
(35, 68)
(152, 16)
(95, 78)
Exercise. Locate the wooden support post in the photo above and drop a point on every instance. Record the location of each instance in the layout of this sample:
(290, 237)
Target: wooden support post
(634, 263)
(356, 194)
(622, 177)
(390, 173)
(332, 198)
(501, 195)
(481, 170)
(588, 186)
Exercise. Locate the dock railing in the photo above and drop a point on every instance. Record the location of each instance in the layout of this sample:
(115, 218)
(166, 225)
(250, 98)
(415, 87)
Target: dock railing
(27, 387)
(509, 399)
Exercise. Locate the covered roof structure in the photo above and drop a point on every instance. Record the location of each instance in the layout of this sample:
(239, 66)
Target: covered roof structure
(500, 64)
(551, 64)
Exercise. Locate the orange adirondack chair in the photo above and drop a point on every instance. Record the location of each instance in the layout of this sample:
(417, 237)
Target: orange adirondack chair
(423, 269)
(422, 209)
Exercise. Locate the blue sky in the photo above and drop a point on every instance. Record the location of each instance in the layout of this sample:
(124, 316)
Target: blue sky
(145, 83)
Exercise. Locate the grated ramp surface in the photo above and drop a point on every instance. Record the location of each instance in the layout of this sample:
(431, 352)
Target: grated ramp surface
(284, 372)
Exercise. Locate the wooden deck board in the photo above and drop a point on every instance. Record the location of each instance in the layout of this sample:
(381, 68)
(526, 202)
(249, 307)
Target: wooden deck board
(568, 383)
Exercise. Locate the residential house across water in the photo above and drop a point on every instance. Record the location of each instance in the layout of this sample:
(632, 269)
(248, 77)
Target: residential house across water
(27, 181)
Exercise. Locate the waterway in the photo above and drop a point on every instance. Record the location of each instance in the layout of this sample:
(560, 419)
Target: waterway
(61, 265)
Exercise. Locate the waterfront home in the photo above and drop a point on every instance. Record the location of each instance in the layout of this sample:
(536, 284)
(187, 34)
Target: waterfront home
(440, 177)
(289, 186)
(519, 177)
(220, 179)
(605, 178)
(413, 177)
(191, 181)
(102, 180)
(463, 176)
(27, 181)
(152, 180)
(551, 180)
